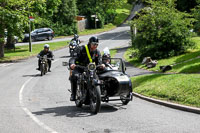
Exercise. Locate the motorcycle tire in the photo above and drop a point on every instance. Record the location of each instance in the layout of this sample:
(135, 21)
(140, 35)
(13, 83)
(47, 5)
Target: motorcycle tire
(42, 69)
(126, 101)
(78, 101)
(46, 67)
(95, 100)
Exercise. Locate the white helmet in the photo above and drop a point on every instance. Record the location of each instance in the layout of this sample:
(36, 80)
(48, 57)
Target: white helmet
(46, 46)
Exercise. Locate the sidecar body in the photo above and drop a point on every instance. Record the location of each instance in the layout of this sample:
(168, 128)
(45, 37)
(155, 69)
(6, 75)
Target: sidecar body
(115, 82)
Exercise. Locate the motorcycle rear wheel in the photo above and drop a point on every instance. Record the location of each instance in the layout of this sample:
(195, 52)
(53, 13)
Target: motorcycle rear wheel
(95, 100)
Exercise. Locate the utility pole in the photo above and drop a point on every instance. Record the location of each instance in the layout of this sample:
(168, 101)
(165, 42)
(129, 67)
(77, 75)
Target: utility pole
(30, 46)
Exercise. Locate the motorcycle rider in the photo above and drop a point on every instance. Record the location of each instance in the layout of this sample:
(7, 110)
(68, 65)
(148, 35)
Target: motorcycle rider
(49, 54)
(76, 39)
(106, 56)
(87, 54)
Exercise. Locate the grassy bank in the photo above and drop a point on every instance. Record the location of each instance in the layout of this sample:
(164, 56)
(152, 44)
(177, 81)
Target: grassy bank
(185, 63)
(22, 52)
(182, 88)
(178, 88)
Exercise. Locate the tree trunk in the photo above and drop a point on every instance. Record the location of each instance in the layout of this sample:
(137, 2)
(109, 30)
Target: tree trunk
(1, 41)
(10, 40)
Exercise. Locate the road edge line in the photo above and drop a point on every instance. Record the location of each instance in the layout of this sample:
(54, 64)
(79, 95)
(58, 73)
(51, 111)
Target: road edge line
(28, 112)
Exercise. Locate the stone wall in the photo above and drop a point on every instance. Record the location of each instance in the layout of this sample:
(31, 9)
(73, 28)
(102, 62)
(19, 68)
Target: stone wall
(82, 25)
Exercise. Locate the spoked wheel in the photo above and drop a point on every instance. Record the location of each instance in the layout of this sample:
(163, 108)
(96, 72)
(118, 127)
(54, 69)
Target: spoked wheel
(42, 69)
(78, 101)
(126, 99)
(95, 100)
(45, 68)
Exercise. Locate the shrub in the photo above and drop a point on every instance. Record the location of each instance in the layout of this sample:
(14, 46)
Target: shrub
(163, 31)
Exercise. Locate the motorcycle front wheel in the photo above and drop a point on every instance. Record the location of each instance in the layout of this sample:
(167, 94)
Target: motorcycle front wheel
(42, 69)
(78, 97)
(95, 99)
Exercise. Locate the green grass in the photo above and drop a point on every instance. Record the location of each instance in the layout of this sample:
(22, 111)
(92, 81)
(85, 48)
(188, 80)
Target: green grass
(181, 63)
(122, 13)
(113, 52)
(94, 31)
(182, 88)
(22, 52)
(179, 88)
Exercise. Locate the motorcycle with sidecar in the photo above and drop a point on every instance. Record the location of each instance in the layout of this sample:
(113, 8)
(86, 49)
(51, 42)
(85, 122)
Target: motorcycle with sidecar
(95, 85)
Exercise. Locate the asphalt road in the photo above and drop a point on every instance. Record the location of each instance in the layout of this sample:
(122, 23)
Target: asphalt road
(34, 104)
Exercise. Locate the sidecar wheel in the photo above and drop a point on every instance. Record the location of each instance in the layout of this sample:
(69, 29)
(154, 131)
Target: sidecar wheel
(126, 99)
(78, 101)
(95, 100)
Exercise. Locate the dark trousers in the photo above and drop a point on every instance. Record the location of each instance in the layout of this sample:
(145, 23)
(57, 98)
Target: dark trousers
(74, 78)
(48, 61)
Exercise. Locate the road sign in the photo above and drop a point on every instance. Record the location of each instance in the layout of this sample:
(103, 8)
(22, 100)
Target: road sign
(31, 18)
(93, 16)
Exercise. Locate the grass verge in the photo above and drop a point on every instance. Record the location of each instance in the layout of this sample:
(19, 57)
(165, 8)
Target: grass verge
(94, 31)
(122, 13)
(22, 52)
(178, 88)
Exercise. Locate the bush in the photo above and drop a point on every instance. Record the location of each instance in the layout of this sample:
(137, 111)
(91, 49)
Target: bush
(163, 31)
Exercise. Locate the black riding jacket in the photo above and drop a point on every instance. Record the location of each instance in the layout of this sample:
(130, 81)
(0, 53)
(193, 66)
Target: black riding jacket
(49, 54)
(82, 58)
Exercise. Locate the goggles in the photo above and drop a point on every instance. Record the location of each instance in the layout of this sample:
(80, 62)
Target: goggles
(95, 43)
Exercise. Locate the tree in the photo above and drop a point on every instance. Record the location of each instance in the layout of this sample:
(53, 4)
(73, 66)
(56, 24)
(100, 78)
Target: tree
(163, 31)
(11, 18)
(104, 9)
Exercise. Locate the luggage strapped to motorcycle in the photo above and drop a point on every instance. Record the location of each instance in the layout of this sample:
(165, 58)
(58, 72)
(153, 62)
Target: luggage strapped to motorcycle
(88, 53)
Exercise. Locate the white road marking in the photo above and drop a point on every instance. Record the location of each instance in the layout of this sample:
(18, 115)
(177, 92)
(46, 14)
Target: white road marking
(28, 112)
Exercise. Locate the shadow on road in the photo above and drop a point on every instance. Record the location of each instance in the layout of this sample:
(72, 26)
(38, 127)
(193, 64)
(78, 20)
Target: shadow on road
(65, 56)
(31, 75)
(73, 111)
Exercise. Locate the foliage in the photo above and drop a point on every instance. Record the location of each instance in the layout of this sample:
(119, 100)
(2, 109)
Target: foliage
(196, 14)
(104, 9)
(13, 17)
(58, 15)
(163, 31)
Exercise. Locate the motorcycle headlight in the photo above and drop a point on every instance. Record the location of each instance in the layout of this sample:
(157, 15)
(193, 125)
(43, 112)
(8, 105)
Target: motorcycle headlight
(70, 46)
(91, 66)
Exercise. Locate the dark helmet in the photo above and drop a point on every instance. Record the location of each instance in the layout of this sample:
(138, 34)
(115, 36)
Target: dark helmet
(93, 39)
(76, 36)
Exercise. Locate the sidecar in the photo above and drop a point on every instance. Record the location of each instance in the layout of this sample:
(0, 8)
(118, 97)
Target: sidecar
(115, 82)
